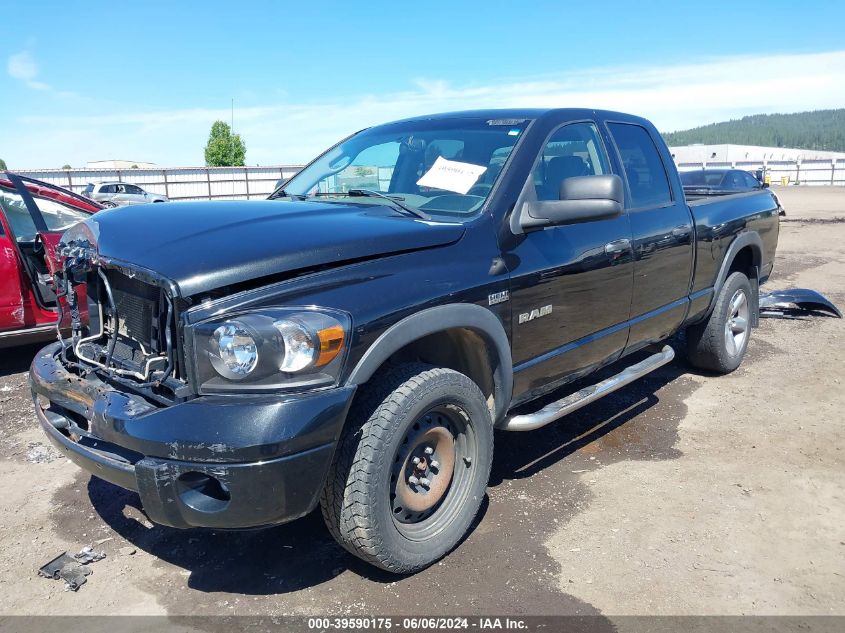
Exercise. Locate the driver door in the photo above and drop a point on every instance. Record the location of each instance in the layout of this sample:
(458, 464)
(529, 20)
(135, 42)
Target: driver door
(572, 285)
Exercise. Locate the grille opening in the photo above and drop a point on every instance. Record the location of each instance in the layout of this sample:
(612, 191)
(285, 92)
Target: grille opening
(144, 334)
(139, 311)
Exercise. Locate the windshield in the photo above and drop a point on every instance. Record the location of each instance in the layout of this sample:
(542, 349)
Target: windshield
(57, 216)
(443, 166)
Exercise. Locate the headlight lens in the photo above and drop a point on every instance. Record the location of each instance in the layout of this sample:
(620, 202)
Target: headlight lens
(300, 346)
(270, 350)
(309, 339)
(237, 351)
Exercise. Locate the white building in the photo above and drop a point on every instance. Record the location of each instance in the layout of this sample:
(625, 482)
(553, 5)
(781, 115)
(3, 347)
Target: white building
(728, 153)
(784, 165)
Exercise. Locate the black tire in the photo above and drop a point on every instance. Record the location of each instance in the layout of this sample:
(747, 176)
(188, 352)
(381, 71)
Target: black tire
(361, 500)
(708, 344)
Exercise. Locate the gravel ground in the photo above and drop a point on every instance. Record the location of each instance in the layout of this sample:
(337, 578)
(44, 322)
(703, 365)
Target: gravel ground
(682, 494)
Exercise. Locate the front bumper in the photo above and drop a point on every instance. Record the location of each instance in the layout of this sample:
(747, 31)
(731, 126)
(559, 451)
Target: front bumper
(215, 461)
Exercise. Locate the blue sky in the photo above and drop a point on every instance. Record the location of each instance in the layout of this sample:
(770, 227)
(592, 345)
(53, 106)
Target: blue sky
(143, 81)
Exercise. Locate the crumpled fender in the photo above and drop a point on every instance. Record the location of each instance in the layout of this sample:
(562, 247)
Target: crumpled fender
(798, 298)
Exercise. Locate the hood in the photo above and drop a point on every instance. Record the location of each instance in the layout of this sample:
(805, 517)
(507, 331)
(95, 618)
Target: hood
(201, 246)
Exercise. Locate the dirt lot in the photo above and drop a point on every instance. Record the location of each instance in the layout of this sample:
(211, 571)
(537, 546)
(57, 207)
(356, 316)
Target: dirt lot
(684, 494)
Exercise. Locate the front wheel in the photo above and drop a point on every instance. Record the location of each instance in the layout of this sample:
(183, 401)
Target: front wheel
(720, 342)
(411, 468)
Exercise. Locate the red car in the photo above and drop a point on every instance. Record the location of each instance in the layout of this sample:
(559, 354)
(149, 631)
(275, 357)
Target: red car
(33, 215)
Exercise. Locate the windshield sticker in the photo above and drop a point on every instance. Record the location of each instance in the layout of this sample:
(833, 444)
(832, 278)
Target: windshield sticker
(451, 175)
(514, 132)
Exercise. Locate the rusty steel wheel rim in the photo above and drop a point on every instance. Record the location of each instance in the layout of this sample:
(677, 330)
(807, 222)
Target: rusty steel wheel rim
(431, 470)
(426, 470)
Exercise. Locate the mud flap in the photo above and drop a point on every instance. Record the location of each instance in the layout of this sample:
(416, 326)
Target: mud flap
(781, 303)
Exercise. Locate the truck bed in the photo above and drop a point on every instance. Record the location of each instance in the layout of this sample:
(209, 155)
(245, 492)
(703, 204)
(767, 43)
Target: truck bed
(720, 219)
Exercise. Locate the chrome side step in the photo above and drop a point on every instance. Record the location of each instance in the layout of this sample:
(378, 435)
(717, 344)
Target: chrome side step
(585, 396)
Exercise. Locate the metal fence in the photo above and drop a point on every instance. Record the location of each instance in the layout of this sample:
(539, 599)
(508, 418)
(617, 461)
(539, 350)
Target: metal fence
(804, 172)
(233, 183)
(178, 183)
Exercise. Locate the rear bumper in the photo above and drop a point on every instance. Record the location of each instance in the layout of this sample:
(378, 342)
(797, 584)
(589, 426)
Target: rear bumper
(222, 462)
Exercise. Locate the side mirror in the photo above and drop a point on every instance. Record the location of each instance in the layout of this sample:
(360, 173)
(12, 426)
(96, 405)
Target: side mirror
(765, 185)
(582, 199)
(281, 183)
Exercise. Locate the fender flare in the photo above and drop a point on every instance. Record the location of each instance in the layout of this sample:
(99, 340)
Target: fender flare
(749, 238)
(431, 320)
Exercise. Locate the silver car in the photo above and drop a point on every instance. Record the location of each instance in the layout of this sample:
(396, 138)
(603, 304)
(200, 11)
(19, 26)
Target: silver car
(120, 193)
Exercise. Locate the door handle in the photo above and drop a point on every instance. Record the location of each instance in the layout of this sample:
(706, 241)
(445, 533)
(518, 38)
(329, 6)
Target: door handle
(617, 247)
(681, 231)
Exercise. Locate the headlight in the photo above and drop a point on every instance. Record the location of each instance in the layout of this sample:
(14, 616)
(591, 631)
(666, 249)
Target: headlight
(309, 339)
(237, 352)
(270, 350)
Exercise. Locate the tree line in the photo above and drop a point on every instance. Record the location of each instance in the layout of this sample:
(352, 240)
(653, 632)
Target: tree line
(816, 130)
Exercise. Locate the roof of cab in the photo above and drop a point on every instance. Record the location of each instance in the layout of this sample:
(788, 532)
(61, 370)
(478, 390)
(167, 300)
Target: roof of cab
(527, 113)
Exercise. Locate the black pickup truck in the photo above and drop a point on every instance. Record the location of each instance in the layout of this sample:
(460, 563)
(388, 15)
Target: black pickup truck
(354, 341)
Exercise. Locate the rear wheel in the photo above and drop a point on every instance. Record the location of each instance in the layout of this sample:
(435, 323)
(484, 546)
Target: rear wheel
(720, 342)
(411, 468)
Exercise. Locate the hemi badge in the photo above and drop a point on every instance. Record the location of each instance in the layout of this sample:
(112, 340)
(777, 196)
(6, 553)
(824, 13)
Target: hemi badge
(498, 297)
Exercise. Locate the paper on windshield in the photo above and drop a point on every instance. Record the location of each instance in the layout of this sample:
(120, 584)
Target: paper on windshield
(451, 175)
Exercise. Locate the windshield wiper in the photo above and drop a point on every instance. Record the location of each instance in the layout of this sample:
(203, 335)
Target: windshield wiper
(395, 200)
(364, 193)
(281, 193)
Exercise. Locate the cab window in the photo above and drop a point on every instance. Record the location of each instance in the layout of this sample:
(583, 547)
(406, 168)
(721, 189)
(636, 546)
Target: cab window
(573, 150)
(646, 175)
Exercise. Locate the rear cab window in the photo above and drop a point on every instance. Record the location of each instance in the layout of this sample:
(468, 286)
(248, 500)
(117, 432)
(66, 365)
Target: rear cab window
(750, 181)
(647, 179)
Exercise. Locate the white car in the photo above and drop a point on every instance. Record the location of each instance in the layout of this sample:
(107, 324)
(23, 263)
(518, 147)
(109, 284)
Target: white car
(121, 193)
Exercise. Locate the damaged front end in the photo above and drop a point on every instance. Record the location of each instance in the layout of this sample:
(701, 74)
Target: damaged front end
(116, 397)
(129, 336)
